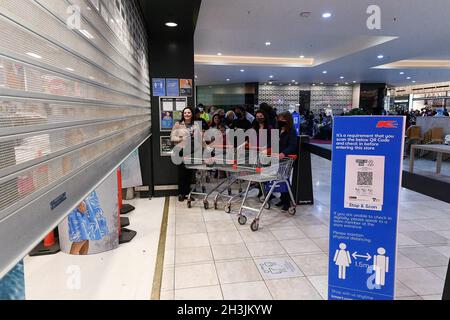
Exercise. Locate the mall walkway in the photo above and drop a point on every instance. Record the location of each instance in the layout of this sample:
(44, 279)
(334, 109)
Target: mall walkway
(210, 256)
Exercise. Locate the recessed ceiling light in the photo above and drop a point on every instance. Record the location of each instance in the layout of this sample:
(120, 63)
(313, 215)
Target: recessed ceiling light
(70, 69)
(242, 70)
(171, 24)
(313, 84)
(324, 72)
(380, 56)
(402, 72)
(271, 76)
(408, 78)
(354, 81)
(341, 77)
(321, 83)
(414, 81)
(268, 43)
(301, 57)
(296, 83)
(326, 15)
(292, 80)
(228, 79)
(34, 55)
(270, 82)
(219, 53)
(91, 77)
(346, 83)
(196, 77)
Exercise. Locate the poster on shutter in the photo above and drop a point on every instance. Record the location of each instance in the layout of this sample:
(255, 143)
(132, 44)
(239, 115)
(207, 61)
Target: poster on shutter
(92, 227)
(131, 171)
(12, 285)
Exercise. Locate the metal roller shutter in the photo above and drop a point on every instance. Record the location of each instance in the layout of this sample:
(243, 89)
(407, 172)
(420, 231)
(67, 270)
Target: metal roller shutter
(74, 103)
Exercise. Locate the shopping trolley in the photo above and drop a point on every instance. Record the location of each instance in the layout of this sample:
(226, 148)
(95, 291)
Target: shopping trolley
(217, 162)
(277, 173)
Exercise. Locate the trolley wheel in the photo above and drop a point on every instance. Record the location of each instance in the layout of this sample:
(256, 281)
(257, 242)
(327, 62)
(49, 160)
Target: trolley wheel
(215, 205)
(228, 209)
(189, 204)
(267, 206)
(206, 205)
(261, 199)
(229, 191)
(255, 225)
(240, 190)
(292, 211)
(204, 189)
(242, 220)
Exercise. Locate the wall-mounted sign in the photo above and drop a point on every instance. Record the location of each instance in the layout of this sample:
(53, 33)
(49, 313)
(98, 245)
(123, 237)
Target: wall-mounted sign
(170, 111)
(159, 87)
(166, 146)
(366, 179)
(173, 89)
(186, 87)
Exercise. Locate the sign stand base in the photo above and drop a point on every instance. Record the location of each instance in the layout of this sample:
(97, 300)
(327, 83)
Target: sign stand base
(127, 235)
(126, 208)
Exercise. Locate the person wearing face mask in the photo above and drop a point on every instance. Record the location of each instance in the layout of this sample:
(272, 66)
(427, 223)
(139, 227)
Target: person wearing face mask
(288, 146)
(241, 122)
(261, 122)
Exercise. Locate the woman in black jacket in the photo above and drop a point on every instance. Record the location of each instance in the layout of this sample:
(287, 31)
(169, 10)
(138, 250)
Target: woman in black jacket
(288, 146)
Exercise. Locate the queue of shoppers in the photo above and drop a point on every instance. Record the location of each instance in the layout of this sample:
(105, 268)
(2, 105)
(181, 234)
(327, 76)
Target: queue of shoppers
(198, 120)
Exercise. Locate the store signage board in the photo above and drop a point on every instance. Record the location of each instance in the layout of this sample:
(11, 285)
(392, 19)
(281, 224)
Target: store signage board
(365, 187)
(172, 87)
(159, 87)
(170, 109)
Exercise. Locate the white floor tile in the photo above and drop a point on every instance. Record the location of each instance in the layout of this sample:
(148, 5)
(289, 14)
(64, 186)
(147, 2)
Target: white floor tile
(256, 290)
(198, 275)
(288, 233)
(421, 281)
(230, 252)
(237, 271)
(300, 246)
(293, 289)
(220, 226)
(199, 293)
(312, 264)
(258, 236)
(190, 228)
(225, 237)
(265, 249)
(193, 255)
(192, 240)
(320, 283)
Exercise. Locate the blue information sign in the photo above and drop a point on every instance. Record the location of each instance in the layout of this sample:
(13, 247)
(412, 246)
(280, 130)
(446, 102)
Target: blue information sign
(159, 87)
(173, 89)
(365, 186)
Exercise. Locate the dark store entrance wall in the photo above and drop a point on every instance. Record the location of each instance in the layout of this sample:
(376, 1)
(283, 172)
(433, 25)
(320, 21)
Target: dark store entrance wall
(372, 97)
(171, 55)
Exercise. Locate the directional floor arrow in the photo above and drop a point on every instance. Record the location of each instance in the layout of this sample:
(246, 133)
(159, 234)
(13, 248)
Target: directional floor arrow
(355, 255)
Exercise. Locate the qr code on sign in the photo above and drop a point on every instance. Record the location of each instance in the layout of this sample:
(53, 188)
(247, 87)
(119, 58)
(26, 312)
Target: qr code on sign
(365, 178)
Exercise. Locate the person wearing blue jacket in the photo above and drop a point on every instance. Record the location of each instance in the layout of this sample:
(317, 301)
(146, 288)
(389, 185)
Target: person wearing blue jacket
(288, 146)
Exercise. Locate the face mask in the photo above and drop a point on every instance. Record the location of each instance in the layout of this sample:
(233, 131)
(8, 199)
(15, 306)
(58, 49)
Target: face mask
(282, 124)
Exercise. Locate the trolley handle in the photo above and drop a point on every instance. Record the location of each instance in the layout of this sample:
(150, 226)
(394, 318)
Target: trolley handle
(291, 156)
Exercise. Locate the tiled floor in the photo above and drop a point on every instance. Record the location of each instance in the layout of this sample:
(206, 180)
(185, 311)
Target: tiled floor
(210, 256)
